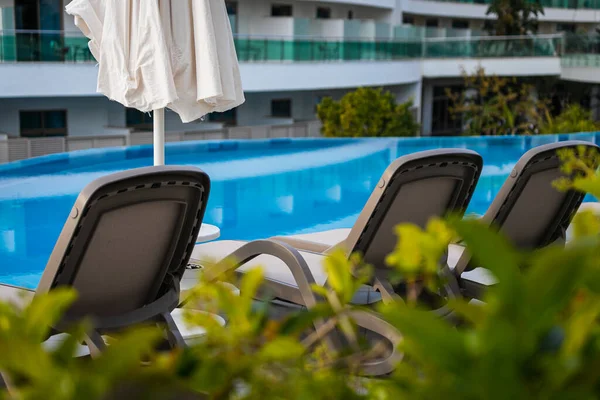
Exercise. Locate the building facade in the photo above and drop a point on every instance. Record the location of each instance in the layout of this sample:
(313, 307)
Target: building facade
(292, 54)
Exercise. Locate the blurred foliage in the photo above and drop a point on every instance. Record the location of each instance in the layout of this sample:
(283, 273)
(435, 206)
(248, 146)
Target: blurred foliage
(367, 112)
(582, 165)
(417, 256)
(536, 335)
(573, 119)
(493, 105)
(514, 17)
(34, 371)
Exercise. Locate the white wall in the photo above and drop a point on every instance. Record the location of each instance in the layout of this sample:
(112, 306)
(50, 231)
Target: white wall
(533, 66)
(47, 79)
(327, 28)
(407, 92)
(581, 74)
(85, 116)
(266, 26)
(257, 109)
(115, 114)
(384, 4)
(69, 20)
(254, 15)
(310, 76)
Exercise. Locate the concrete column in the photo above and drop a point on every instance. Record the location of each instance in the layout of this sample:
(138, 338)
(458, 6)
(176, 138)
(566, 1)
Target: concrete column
(395, 16)
(595, 103)
(427, 109)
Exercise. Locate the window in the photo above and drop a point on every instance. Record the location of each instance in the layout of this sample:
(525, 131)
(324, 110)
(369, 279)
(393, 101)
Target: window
(489, 26)
(442, 122)
(227, 117)
(281, 10)
(323, 12)
(408, 20)
(232, 10)
(281, 108)
(350, 14)
(431, 23)
(43, 123)
(569, 28)
(138, 120)
(460, 24)
(32, 16)
(232, 7)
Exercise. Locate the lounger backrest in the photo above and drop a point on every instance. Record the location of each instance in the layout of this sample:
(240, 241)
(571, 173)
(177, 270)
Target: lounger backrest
(128, 239)
(413, 189)
(528, 209)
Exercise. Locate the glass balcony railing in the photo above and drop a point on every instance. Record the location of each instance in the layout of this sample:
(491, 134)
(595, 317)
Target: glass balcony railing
(570, 4)
(266, 50)
(580, 61)
(43, 46)
(581, 51)
(34, 46)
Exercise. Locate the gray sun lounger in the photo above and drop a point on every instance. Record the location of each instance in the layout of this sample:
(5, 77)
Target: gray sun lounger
(413, 189)
(528, 210)
(124, 248)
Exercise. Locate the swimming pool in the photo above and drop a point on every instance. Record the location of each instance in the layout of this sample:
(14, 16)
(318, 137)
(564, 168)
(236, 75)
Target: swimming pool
(259, 188)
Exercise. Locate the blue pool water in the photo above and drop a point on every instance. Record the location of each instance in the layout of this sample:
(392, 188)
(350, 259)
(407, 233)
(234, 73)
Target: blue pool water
(259, 188)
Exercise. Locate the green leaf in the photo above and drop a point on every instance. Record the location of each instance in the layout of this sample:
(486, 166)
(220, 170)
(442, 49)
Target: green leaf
(427, 337)
(339, 275)
(249, 285)
(297, 323)
(491, 250)
(580, 326)
(45, 311)
(282, 349)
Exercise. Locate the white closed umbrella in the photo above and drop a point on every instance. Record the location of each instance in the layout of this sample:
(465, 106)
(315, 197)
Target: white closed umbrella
(157, 54)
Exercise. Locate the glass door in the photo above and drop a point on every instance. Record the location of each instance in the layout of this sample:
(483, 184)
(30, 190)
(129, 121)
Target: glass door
(39, 26)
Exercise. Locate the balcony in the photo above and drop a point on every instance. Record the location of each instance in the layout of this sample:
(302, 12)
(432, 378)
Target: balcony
(571, 11)
(570, 4)
(581, 61)
(43, 46)
(41, 64)
(35, 46)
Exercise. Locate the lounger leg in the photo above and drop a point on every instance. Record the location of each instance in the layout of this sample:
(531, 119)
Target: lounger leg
(95, 343)
(451, 285)
(388, 295)
(174, 337)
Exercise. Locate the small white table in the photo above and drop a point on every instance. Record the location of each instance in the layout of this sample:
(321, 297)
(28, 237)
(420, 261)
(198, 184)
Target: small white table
(207, 233)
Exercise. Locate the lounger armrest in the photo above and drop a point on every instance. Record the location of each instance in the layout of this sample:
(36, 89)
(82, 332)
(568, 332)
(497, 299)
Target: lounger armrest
(286, 253)
(375, 323)
(301, 244)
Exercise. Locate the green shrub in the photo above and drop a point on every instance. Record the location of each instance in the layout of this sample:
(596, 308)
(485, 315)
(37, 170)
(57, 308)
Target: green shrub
(573, 119)
(493, 105)
(367, 112)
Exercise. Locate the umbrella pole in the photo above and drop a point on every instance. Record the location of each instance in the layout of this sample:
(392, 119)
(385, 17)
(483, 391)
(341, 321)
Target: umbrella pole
(159, 136)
